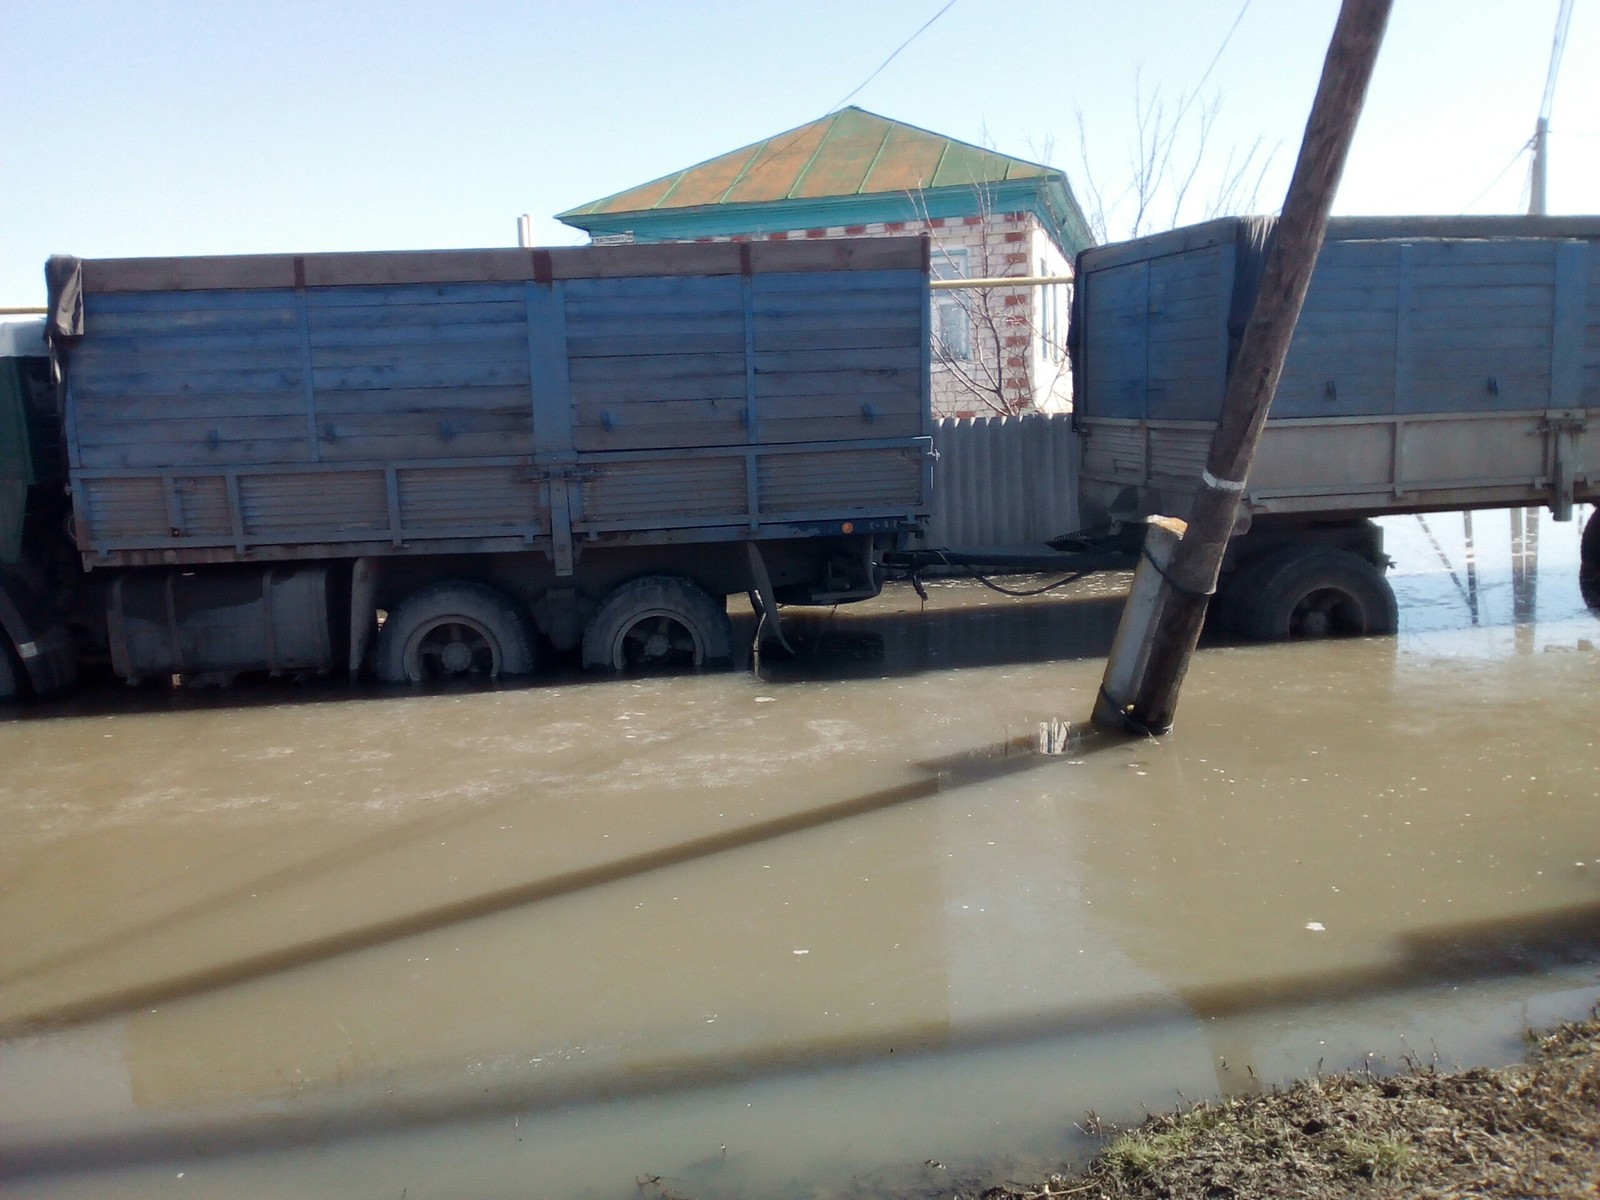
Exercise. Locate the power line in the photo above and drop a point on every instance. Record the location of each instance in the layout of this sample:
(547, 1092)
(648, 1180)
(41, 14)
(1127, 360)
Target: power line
(851, 94)
(1521, 150)
(1206, 74)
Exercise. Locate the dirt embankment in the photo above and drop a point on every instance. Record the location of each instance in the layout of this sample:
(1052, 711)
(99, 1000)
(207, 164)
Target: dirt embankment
(1531, 1130)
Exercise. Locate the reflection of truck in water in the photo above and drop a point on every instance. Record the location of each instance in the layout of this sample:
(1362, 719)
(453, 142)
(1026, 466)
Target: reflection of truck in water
(242, 462)
(1439, 363)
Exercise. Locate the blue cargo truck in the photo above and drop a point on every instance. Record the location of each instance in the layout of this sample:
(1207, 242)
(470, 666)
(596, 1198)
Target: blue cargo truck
(1439, 364)
(451, 463)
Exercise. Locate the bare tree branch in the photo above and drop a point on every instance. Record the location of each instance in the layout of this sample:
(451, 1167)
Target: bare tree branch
(1171, 145)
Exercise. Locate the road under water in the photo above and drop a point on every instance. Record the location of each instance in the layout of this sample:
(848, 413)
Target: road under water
(824, 924)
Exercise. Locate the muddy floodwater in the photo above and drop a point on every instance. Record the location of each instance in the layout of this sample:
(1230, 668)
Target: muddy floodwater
(787, 930)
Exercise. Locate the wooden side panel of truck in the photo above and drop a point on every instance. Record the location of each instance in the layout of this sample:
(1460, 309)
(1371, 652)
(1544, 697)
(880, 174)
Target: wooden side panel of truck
(1438, 364)
(342, 405)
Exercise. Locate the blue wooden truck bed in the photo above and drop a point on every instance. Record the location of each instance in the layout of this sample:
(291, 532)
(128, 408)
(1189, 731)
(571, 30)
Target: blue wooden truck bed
(1439, 363)
(340, 405)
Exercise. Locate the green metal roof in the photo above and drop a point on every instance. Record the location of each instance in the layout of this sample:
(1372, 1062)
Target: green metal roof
(851, 152)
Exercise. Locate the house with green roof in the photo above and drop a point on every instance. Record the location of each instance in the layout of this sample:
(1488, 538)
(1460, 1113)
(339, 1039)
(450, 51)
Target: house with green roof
(852, 173)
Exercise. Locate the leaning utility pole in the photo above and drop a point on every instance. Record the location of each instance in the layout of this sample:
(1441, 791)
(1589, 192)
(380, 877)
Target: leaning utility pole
(1146, 669)
(1537, 199)
(1537, 206)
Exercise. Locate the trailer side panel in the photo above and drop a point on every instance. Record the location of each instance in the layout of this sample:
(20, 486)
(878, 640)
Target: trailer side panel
(1456, 367)
(281, 407)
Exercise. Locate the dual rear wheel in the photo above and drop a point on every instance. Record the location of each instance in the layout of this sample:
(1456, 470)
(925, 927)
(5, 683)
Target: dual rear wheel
(465, 630)
(658, 623)
(454, 630)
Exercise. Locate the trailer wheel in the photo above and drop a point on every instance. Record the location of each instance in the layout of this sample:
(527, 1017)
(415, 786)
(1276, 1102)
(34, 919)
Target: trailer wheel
(454, 631)
(658, 622)
(1589, 546)
(1317, 592)
(1226, 614)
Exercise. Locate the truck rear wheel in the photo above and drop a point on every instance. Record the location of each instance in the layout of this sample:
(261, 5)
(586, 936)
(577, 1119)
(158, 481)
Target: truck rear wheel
(1316, 592)
(454, 631)
(658, 623)
(1226, 614)
(10, 678)
(1589, 546)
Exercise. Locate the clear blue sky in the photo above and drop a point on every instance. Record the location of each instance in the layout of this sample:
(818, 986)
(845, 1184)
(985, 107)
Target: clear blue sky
(150, 127)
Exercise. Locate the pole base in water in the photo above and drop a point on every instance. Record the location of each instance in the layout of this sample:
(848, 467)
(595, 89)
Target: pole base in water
(1130, 652)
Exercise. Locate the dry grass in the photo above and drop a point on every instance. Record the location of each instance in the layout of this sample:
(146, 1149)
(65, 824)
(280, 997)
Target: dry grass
(1532, 1130)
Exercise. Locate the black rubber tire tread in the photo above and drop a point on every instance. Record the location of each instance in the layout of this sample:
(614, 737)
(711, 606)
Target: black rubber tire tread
(10, 675)
(1225, 615)
(1589, 545)
(651, 595)
(491, 611)
(1365, 606)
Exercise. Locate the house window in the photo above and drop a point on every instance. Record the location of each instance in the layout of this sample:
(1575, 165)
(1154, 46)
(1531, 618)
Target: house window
(1051, 332)
(952, 323)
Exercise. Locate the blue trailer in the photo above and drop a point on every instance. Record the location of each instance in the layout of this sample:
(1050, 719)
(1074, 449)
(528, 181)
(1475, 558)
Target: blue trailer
(493, 452)
(1439, 364)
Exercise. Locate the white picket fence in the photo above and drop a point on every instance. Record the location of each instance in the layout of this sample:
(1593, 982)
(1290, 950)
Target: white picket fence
(1003, 483)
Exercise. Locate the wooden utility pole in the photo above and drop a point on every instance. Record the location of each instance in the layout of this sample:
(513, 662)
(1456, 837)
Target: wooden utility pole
(1541, 146)
(1141, 692)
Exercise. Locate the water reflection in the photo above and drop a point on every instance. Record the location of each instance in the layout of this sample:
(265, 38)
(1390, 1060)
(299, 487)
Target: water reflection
(761, 932)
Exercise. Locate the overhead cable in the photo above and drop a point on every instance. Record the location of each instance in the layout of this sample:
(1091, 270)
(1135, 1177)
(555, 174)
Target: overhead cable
(851, 94)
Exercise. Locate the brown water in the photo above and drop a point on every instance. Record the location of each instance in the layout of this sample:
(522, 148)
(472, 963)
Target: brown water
(762, 933)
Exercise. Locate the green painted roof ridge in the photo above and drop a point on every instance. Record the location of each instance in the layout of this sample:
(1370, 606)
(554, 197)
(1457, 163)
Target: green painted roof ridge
(944, 152)
(671, 187)
(833, 121)
(755, 155)
(883, 144)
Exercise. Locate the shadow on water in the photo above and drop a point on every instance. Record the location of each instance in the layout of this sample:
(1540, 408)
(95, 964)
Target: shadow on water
(940, 776)
(1476, 952)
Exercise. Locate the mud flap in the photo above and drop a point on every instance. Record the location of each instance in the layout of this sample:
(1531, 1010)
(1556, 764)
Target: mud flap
(763, 592)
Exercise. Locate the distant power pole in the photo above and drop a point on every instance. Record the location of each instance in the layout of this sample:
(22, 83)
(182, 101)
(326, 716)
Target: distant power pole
(1541, 135)
(1541, 129)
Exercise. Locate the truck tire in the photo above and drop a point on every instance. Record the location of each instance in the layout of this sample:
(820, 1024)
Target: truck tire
(1226, 613)
(1316, 592)
(10, 677)
(1589, 546)
(655, 623)
(454, 630)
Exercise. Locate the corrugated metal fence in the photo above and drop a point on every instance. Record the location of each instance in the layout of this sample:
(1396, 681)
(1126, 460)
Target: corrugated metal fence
(1004, 482)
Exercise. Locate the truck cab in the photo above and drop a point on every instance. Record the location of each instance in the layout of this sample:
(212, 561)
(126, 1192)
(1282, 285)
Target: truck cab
(37, 654)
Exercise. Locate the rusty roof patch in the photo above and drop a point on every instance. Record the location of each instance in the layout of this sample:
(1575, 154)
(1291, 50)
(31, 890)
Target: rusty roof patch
(909, 160)
(777, 163)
